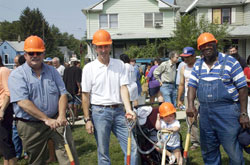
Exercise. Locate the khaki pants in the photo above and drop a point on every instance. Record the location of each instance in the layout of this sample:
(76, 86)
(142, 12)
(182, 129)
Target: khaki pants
(35, 136)
(195, 137)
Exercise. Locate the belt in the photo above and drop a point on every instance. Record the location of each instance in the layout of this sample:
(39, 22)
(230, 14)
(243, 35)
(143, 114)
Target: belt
(168, 83)
(108, 106)
(25, 120)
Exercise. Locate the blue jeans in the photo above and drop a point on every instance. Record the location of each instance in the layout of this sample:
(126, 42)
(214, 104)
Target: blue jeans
(17, 141)
(169, 93)
(219, 125)
(106, 120)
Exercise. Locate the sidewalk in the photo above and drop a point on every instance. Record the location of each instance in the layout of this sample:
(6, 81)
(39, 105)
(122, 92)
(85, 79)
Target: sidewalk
(180, 115)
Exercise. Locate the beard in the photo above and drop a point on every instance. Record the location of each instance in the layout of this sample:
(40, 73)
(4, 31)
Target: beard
(210, 54)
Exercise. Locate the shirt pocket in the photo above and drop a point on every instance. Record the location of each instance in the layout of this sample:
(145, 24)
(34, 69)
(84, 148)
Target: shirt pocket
(52, 88)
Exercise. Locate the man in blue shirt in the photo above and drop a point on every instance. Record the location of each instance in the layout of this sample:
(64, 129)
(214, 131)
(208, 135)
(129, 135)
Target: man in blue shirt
(39, 98)
(221, 89)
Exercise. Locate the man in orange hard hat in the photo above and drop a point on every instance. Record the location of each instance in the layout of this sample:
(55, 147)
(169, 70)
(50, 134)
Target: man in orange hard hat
(39, 99)
(104, 87)
(221, 89)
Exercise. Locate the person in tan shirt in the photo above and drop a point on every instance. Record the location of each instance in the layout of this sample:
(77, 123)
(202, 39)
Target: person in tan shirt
(165, 74)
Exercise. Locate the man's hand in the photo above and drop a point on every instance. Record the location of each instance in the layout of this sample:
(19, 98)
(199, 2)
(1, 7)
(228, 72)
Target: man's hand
(192, 112)
(179, 103)
(1, 115)
(52, 123)
(62, 121)
(130, 115)
(89, 127)
(244, 121)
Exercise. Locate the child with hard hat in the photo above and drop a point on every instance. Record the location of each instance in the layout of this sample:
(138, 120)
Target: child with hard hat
(166, 120)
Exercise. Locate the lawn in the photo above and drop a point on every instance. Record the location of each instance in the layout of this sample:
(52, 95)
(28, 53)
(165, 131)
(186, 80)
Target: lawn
(86, 148)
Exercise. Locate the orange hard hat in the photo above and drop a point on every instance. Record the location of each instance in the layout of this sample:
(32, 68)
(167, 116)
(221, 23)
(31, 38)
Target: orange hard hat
(205, 38)
(34, 44)
(166, 109)
(102, 37)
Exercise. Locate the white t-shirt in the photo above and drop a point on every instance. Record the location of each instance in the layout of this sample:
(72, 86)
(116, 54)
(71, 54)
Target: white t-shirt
(187, 74)
(104, 82)
(174, 141)
(179, 72)
(60, 69)
(132, 86)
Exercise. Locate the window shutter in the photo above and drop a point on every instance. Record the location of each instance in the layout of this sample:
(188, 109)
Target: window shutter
(233, 15)
(209, 15)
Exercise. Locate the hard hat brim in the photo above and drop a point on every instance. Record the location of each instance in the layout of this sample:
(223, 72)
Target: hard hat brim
(103, 43)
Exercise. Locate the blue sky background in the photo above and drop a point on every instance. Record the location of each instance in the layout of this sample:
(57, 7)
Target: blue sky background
(64, 14)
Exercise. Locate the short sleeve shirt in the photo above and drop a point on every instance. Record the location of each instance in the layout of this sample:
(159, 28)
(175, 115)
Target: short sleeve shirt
(104, 82)
(174, 141)
(233, 76)
(44, 91)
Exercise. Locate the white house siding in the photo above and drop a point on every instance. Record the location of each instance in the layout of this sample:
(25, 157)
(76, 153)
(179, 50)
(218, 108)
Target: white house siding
(131, 18)
(202, 12)
(239, 16)
(247, 48)
(247, 14)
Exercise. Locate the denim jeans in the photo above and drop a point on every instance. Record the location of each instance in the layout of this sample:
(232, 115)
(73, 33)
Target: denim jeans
(169, 93)
(17, 141)
(106, 120)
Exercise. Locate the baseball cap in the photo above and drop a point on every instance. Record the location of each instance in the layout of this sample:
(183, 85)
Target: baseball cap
(187, 51)
(244, 139)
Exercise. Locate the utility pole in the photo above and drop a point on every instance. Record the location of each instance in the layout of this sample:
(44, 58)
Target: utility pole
(43, 29)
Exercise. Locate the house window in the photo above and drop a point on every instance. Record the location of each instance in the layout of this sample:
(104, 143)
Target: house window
(221, 16)
(6, 59)
(5, 47)
(153, 20)
(108, 20)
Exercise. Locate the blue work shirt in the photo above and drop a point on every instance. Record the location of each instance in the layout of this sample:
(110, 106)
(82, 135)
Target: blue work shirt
(44, 91)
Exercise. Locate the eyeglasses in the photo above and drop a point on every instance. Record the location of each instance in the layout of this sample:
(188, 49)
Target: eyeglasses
(33, 53)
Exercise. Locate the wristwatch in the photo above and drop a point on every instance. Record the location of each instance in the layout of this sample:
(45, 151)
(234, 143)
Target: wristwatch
(86, 120)
(243, 114)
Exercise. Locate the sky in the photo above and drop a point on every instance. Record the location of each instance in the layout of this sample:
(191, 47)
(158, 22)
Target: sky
(65, 14)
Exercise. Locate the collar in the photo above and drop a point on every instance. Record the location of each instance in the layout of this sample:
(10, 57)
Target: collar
(27, 67)
(100, 65)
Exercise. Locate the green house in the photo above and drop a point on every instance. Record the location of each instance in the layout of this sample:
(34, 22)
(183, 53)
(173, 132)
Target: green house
(130, 22)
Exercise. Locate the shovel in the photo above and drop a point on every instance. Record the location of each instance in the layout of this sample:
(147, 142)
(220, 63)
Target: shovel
(130, 126)
(187, 142)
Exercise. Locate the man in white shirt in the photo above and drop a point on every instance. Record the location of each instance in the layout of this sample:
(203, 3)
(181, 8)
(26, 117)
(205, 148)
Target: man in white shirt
(104, 87)
(56, 64)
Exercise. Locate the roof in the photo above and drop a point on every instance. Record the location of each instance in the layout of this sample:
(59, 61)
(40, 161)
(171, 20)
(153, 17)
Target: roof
(187, 5)
(183, 4)
(240, 31)
(18, 46)
(130, 36)
(99, 6)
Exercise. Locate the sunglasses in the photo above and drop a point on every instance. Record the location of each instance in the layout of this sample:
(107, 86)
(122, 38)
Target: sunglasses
(33, 53)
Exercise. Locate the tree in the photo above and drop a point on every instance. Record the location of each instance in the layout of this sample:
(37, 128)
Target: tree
(10, 31)
(150, 50)
(188, 30)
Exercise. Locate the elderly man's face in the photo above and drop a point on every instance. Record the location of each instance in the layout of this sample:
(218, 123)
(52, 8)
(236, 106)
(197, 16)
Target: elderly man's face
(55, 63)
(34, 59)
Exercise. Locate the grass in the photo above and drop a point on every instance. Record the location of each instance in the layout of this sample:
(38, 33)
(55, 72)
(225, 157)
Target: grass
(86, 149)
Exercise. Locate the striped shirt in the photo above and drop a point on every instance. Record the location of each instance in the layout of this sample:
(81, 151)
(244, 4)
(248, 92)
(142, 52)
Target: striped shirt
(233, 76)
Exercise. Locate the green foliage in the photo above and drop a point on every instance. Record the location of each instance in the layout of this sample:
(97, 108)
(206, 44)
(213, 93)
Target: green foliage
(150, 50)
(188, 30)
(9, 31)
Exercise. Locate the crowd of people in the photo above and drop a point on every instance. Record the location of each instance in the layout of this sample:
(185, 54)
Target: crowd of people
(212, 89)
